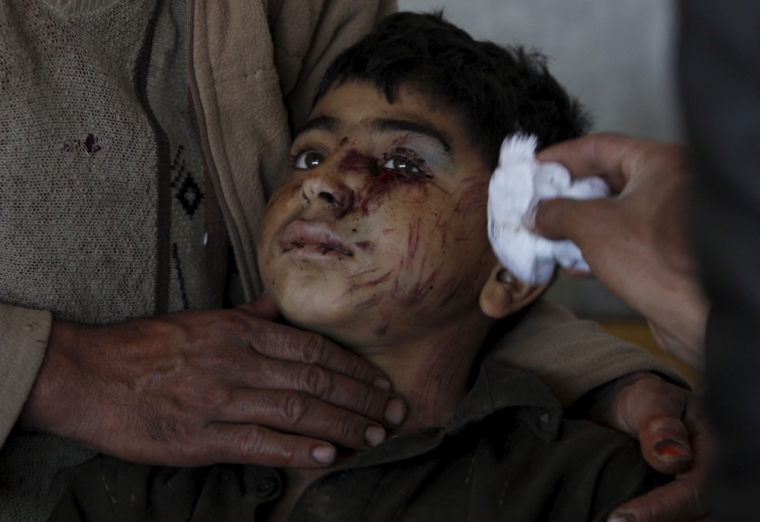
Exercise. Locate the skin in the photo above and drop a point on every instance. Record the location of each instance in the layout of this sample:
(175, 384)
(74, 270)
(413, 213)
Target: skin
(635, 242)
(641, 404)
(199, 387)
(378, 241)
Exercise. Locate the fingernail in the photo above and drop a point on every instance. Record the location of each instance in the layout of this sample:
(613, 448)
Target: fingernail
(323, 454)
(623, 518)
(395, 412)
(671, 449)
(374, 435)
(529, 219)
(383, 383)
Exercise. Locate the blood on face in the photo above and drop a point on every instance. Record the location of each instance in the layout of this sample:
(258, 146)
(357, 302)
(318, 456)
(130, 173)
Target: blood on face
(380, 180)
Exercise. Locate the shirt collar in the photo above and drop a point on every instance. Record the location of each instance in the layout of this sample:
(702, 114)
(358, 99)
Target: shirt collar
(496, 388)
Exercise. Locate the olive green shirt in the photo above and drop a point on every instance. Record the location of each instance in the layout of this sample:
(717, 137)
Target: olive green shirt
(507, 454)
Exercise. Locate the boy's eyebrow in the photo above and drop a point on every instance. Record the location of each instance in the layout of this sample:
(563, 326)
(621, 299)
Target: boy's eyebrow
(331, 124)
(327, 123)
(385, 125)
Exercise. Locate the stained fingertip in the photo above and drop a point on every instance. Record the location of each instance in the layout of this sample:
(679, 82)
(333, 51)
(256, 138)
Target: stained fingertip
(671, 450)
(324, 455)
(670, 458)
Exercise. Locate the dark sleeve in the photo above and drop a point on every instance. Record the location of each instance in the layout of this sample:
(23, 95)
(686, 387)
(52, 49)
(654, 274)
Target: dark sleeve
(597, 470)
(581, 476)
(108, 489)
(625, 476)
(719, 65)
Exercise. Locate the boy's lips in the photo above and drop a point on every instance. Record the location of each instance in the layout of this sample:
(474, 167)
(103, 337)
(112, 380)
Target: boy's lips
(312, 236)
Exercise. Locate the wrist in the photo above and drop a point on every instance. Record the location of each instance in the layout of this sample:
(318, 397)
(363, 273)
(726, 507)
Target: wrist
(46, 407)
(680, 323)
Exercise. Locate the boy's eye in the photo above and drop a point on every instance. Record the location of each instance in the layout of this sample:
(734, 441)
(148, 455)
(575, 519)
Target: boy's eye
(402, 164)
(308, 160)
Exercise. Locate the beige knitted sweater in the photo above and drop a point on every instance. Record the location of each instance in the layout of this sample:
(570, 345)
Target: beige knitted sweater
(84, 163)
(102, 178)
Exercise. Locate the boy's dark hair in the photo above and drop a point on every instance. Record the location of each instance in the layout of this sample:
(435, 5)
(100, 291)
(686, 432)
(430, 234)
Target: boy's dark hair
(496, 90)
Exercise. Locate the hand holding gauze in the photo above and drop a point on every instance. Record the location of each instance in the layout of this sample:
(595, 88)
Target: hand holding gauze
(517, 185)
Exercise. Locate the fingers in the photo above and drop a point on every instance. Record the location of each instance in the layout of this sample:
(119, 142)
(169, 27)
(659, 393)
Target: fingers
(665, 444)
(595, 155)
(704, 440)
(264, 308)
(239, 374)
(680, 501)
(302, 362)
(572, 219)
(617, 158)
(335, 388)
(283, 342)
(266, 447)
(604, 155)
(652, 411)
(302, 414)
(674, 436)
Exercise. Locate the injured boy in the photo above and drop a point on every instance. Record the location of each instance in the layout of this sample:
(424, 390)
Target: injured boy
(378, 240)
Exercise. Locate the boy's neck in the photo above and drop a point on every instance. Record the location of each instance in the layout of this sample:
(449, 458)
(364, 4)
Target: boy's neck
(431, 373)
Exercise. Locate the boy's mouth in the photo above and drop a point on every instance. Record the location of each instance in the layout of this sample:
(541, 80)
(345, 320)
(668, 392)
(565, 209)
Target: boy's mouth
(313, 236)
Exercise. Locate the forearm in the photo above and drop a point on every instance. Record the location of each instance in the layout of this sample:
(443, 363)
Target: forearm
(23, 341)
(677, 316)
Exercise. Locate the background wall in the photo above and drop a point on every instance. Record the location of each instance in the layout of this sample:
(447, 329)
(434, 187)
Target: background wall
(615, 55)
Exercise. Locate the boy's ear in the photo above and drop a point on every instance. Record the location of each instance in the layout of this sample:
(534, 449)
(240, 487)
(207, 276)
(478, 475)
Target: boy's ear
(503, 294)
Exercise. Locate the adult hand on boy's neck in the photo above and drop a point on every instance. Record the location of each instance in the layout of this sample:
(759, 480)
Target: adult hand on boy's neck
(430, 373)
(196, 387)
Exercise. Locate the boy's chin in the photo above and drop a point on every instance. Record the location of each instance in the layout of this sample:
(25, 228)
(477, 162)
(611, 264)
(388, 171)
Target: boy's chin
(340, 328)
(354, 335)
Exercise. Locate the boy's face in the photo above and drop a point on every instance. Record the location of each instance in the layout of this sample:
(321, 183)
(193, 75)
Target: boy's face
(378, 236)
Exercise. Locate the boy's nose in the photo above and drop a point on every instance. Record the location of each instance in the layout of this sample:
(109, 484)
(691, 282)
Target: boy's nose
(324, 187)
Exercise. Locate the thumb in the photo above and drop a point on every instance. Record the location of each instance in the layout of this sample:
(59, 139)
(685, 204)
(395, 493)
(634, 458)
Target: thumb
(652, 411)
(665, 443)
(564, 218)
(264, 308)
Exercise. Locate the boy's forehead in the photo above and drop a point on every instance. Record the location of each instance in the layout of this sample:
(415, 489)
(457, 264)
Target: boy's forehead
(362, 106)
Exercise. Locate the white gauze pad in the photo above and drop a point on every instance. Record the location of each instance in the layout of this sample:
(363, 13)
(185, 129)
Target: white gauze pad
(517, 185)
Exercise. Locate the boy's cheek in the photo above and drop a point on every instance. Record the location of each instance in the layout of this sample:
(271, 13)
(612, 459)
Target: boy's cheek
(472, 197)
